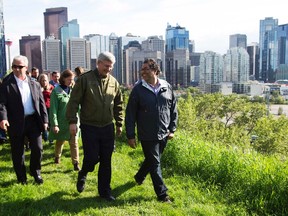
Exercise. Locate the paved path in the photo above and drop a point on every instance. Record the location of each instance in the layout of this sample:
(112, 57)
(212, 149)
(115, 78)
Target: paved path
(273, 109)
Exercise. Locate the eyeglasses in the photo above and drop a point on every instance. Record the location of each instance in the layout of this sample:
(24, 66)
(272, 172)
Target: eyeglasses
(18, 66)
(146, 69)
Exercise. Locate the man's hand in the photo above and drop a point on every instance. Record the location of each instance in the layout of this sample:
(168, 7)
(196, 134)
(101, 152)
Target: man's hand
(45, 126)
(170, 136)
(118, 131)
(4, 124)
(132, 143)
(73, 129)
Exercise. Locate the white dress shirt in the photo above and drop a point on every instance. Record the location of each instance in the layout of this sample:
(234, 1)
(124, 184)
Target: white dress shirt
(26, 95)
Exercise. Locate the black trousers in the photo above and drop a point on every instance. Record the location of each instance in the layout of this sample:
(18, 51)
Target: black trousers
(33, 132)
(152, 164)
(98, 146)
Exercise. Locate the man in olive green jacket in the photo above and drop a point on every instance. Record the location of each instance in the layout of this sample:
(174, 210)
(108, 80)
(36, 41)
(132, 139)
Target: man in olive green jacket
(99, 97)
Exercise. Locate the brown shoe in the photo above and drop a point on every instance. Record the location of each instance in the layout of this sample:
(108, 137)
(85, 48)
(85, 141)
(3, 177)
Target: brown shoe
(57, 160)
(76, 166)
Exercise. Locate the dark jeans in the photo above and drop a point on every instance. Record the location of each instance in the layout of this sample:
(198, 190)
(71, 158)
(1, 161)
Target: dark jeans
(152, 152)
(98, 146)
(33, 133)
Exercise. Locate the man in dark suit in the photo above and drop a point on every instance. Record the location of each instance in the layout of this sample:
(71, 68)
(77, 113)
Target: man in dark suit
(23, 113)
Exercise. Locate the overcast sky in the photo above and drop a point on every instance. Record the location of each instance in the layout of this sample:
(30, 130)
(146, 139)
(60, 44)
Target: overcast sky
(209, 22)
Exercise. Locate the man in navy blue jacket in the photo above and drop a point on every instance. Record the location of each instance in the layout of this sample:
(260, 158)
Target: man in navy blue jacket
(152, 107)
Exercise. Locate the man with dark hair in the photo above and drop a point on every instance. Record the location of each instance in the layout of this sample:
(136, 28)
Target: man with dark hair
(23, 114)
(152, 107)
(35, 73)
(55, 78)
(99, 96)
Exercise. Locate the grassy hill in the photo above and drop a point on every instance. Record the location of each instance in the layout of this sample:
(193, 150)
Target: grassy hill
(203, 179)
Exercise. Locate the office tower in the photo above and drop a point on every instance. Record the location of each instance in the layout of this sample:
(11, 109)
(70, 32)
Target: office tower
(177, 56)
(238, 40)
(54, 18)
(195, 69)
(135, 53)
(3, 67)
(176, 38)
(120, 65)
(156, 43)
(114, 48)
(236, 65)
(66, 31)
(51, 54)
(195, 58)
(268, 49)
(211, 70)
(99, 43)
(113, 43)
(136, 60)
(194, 75)
(191, 46)
(253, 51)
(30, 46)
(282, 38)
(178, 68)
(129, 75)
(78, 53)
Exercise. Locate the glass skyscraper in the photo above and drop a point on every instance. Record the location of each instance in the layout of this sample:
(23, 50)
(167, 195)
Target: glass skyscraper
(3, 66)
(177, 63)
(176, 38)
(282, 38)
(268, 49)
(67, 31)
(238, 40)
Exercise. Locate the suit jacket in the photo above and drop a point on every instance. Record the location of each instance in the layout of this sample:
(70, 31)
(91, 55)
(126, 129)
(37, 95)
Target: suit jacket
(11, 106)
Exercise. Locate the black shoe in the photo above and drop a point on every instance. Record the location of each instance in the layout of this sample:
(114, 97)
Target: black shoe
(165, 199)
(108, 198)
(81, 182)
(22, 181)
(138, 181)
(57, 160)
(76, 166)
(38, 179)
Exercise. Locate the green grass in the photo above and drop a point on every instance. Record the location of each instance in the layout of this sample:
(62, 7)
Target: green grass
(202, 179)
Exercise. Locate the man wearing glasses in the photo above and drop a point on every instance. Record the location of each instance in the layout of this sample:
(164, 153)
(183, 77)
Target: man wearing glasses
(152, 107)
(23, 114)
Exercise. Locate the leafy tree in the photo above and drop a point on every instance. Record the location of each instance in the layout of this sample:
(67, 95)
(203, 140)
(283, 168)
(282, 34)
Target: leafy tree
(272, 135)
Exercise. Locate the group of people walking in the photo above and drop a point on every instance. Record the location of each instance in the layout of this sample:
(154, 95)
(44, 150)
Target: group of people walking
(92, 103)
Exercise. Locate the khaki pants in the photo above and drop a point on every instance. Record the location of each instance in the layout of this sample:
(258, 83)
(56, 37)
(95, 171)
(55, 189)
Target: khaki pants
(74, 149)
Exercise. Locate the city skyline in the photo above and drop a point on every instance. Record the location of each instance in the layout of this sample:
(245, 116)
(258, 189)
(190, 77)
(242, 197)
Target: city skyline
(209, 23)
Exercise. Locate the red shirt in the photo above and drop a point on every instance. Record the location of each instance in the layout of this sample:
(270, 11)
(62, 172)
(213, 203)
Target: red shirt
(46, 94)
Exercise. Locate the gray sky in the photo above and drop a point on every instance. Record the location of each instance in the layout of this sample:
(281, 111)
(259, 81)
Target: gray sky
(209, 22)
